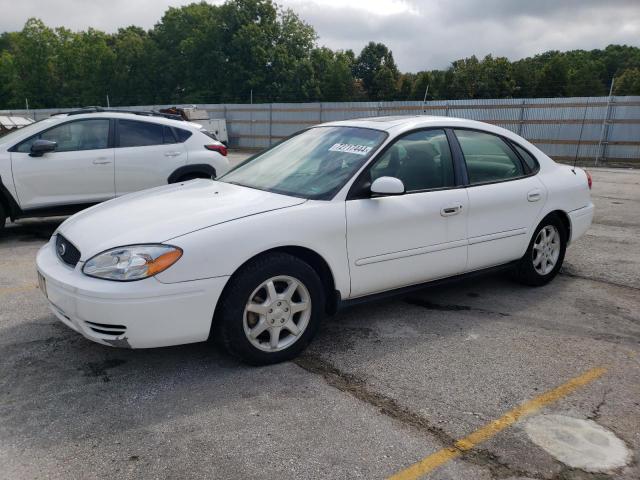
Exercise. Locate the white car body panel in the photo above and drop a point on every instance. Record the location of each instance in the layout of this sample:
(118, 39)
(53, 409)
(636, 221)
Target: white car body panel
(136, 169)
(502, 217)
(388, 248)
(59, 178)
(173, 210)
(369, 245)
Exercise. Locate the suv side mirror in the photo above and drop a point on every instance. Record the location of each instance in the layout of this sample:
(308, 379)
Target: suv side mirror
(40, 147)
(387, 186)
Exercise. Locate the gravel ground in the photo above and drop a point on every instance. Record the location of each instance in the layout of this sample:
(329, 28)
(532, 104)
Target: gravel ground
(383, 385)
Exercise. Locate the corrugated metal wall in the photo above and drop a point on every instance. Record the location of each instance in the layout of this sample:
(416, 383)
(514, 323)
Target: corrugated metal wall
(602, 128)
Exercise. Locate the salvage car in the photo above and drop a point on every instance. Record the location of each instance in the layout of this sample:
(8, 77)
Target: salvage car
(70, 161)
(337, 214)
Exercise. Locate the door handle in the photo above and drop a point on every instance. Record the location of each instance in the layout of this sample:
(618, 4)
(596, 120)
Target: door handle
(172, 154)
(451, 210)
(534, 195)
(102, 161)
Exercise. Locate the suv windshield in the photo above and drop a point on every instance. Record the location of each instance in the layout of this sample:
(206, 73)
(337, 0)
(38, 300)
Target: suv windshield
(314, 164)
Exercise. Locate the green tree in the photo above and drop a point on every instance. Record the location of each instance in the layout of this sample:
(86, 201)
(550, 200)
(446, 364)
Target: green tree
(628, 83)
(377, 69)
(35, 50)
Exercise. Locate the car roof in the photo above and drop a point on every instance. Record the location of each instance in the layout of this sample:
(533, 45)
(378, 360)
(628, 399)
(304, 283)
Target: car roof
(402, 122)
(131, 116)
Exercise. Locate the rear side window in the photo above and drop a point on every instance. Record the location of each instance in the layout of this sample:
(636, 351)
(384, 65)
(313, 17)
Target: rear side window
(209, 134)
(139, 134)
(167, 135)
(531, 162)
(488, 157)
(183, 135)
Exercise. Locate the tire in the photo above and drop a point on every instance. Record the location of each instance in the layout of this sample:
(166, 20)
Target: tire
(3, 218)
(543, 258)
(250, 314)
(192, 176)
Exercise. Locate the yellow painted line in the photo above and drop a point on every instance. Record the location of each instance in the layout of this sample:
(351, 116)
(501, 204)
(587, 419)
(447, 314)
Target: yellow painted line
(22, 288)
(443, 456)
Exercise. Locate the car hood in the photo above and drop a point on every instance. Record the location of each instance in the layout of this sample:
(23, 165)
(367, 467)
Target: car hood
(163, 213)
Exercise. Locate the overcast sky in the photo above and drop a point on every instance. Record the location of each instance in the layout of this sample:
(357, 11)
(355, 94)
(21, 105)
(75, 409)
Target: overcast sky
(423, 34)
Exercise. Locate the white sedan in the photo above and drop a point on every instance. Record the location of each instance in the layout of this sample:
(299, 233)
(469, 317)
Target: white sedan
(336, 214)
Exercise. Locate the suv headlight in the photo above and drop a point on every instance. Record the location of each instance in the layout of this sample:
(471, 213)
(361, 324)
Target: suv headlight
(133, 262)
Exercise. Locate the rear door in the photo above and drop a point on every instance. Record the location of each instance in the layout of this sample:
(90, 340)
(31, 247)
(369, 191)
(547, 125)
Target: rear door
(407, 239)
(505, 198)
(80, 170)
(146, 154)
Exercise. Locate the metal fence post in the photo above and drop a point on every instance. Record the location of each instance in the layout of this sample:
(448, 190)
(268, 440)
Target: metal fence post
(521, 120)
(270, 121)
(601, 154)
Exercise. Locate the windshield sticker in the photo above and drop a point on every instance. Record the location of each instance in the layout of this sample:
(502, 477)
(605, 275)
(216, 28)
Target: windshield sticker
(349, 148)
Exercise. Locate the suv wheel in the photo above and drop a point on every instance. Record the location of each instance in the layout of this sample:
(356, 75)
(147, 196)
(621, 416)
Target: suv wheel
(271, 309)
(193, 176)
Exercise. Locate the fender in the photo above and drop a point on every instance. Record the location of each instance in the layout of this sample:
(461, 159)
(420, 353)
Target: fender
(10, 204)
(195, 168)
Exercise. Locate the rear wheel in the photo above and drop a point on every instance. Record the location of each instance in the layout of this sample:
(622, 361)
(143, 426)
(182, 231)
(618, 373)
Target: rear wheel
(544, 257)
(193, 176)
(270, 310)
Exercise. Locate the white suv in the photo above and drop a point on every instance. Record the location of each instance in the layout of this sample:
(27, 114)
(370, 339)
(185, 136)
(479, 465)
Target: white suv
(67, 162)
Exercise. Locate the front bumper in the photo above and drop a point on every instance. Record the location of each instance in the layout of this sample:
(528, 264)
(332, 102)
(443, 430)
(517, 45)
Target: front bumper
(141, 314)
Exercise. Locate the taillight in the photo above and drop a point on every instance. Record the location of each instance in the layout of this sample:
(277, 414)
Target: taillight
(589, 179)
(221, 149)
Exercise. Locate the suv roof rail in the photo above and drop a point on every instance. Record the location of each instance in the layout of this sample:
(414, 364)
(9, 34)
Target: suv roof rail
(146, 113)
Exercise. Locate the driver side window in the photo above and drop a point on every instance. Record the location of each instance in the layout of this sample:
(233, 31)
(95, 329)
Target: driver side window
(73, 136)
(422, 160)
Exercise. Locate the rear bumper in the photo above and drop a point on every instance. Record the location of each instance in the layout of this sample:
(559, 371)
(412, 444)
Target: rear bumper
(580, 221)
(141, 314)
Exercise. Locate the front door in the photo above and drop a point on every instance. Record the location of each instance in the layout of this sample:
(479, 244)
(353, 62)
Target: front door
(80, 169)
(396, 241)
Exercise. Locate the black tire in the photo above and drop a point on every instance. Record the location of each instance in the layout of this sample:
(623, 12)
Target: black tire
(525, 271)
(193, 176)
(3, 218)
(229, 329)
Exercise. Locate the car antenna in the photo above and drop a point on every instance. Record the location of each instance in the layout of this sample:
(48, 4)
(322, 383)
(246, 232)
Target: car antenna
(584, 117)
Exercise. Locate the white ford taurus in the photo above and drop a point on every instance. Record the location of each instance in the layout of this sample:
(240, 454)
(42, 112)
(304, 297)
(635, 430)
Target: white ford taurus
(335, 214)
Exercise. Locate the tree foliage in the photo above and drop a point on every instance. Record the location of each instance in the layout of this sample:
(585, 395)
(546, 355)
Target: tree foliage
(242, 49)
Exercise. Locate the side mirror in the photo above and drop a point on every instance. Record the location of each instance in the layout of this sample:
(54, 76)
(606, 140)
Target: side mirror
(387, 186)
(40, 147)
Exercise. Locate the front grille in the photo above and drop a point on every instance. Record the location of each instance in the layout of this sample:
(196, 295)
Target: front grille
(67, 252)
(106, 329)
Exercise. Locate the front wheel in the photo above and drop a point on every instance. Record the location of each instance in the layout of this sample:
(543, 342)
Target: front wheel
(270, 310)
(3, 218)
(545, 254)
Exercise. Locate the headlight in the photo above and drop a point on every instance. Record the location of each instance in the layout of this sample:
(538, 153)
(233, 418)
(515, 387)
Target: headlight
(133, 262)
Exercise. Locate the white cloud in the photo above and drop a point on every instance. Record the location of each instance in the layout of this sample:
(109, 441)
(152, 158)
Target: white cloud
(423, 34)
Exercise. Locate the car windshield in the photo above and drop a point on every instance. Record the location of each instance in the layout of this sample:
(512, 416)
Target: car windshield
(314, 164)
(31, 128)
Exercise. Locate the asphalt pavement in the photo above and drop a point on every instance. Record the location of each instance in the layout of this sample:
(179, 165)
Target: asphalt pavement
(467, 381)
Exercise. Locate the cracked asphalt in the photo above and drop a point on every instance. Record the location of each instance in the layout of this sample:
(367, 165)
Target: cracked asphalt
(382, 386)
